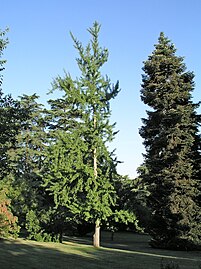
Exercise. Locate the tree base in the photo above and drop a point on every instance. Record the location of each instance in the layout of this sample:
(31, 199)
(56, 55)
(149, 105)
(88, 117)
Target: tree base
(96, 236)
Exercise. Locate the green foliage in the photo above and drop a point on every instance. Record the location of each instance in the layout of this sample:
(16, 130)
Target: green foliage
(10, 120)
(8, 222)
(79, 169)
(169, 133)
(40, 227)
(26, 160)
(124, 216)
(33, 226)
(3, 44)
(10, 117)
(130, 208)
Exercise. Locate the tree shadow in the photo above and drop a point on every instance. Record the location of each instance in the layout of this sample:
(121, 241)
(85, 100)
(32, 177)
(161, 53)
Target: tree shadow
(138, 244)
(77, 253)
(19, 254)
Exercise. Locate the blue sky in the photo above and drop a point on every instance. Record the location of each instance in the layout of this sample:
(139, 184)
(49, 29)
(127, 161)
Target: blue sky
(41, 48)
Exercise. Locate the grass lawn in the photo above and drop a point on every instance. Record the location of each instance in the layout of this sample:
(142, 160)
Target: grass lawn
(126, 251)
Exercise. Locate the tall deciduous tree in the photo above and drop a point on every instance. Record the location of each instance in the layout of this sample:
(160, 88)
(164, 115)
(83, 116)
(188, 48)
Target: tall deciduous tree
(80, 168)
(170, 132)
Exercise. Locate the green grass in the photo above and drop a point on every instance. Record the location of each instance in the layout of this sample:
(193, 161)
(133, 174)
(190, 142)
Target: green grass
(126, 251)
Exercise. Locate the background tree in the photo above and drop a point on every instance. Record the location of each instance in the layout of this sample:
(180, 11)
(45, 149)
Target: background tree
(132, 196)
(80, 169)
(10, 117)
(130, 210)
(169, 133)
(3, 44)
(26, 159)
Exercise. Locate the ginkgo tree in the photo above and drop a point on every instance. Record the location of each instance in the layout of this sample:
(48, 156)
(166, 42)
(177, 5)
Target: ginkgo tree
(80, 169)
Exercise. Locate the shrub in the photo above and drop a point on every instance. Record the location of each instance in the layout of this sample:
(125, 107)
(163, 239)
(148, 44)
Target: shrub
(8, 222)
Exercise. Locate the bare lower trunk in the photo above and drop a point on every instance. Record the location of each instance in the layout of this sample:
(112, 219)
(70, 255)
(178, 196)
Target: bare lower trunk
(61, 237)
(96, 236)
(95, 164)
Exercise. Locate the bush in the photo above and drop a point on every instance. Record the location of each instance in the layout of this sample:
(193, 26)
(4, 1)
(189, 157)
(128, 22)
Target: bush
(8, 222)
(35, 230)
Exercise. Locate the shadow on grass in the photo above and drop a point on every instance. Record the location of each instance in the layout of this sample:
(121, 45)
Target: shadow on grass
(19, 254)
(126, 251)
(138, 245)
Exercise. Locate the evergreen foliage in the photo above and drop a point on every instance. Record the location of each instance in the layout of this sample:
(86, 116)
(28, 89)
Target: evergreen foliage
(26, 159)
(10, 116)
(30, 201)
(9, 126)
(170, 133)
(3, 44)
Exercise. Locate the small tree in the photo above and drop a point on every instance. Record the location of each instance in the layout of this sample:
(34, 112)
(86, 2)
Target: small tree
(8, 223)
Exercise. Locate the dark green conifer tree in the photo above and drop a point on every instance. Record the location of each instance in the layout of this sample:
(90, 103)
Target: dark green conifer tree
(170, 132)
(27, 157)
(30, 201)
(10, 115)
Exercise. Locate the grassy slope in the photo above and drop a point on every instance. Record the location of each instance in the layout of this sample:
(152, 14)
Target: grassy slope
(126, 251)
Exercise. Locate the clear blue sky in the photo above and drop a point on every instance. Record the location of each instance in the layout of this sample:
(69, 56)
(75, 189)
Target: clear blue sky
(41, 48)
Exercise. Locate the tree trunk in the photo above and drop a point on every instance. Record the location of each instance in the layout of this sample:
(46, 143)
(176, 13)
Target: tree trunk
(96, 236)
(95, 153)
(95, 164)
(112, 235)
(61, 236)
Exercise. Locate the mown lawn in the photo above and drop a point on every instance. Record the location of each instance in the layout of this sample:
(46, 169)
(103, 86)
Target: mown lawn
(126, 251)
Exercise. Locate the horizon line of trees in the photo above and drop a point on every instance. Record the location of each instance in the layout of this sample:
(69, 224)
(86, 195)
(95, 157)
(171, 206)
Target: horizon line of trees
(59, 177)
